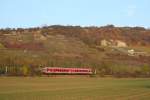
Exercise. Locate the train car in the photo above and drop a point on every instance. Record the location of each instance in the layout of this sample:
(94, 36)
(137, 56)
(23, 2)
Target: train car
(59, 70)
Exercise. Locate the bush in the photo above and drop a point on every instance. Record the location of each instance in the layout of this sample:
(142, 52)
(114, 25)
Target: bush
(146, 70)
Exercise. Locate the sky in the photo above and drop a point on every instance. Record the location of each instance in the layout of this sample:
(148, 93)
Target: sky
(34, 13)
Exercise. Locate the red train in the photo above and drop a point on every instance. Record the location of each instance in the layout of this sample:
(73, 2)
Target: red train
(59, 70)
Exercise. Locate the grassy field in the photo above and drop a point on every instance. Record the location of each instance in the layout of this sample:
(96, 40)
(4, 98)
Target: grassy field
(48, 88)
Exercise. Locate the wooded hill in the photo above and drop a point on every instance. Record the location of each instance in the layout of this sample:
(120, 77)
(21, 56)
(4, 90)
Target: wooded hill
(75, 46)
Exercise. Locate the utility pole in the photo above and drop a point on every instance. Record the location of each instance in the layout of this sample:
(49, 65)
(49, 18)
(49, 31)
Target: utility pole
(95, 71)
(6, 70)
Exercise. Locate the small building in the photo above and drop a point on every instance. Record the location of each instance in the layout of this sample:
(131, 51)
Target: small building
(136, 53)
(131, 52)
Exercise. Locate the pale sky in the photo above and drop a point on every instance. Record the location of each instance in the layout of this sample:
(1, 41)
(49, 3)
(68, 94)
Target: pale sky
(33, 13)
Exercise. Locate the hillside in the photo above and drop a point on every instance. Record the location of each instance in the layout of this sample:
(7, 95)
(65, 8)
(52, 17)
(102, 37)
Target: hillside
(121, 51)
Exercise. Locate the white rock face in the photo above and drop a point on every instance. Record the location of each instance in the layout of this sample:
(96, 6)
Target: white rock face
(104, 43)
(116, 43)
(120, 44)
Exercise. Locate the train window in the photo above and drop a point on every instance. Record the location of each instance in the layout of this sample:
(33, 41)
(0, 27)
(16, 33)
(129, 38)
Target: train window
(64, 70)
(59, 70)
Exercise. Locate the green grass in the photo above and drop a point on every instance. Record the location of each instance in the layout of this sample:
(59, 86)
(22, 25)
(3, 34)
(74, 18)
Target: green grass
(48, 88)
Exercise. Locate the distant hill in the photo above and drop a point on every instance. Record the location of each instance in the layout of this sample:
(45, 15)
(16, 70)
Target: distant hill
(104, 48)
